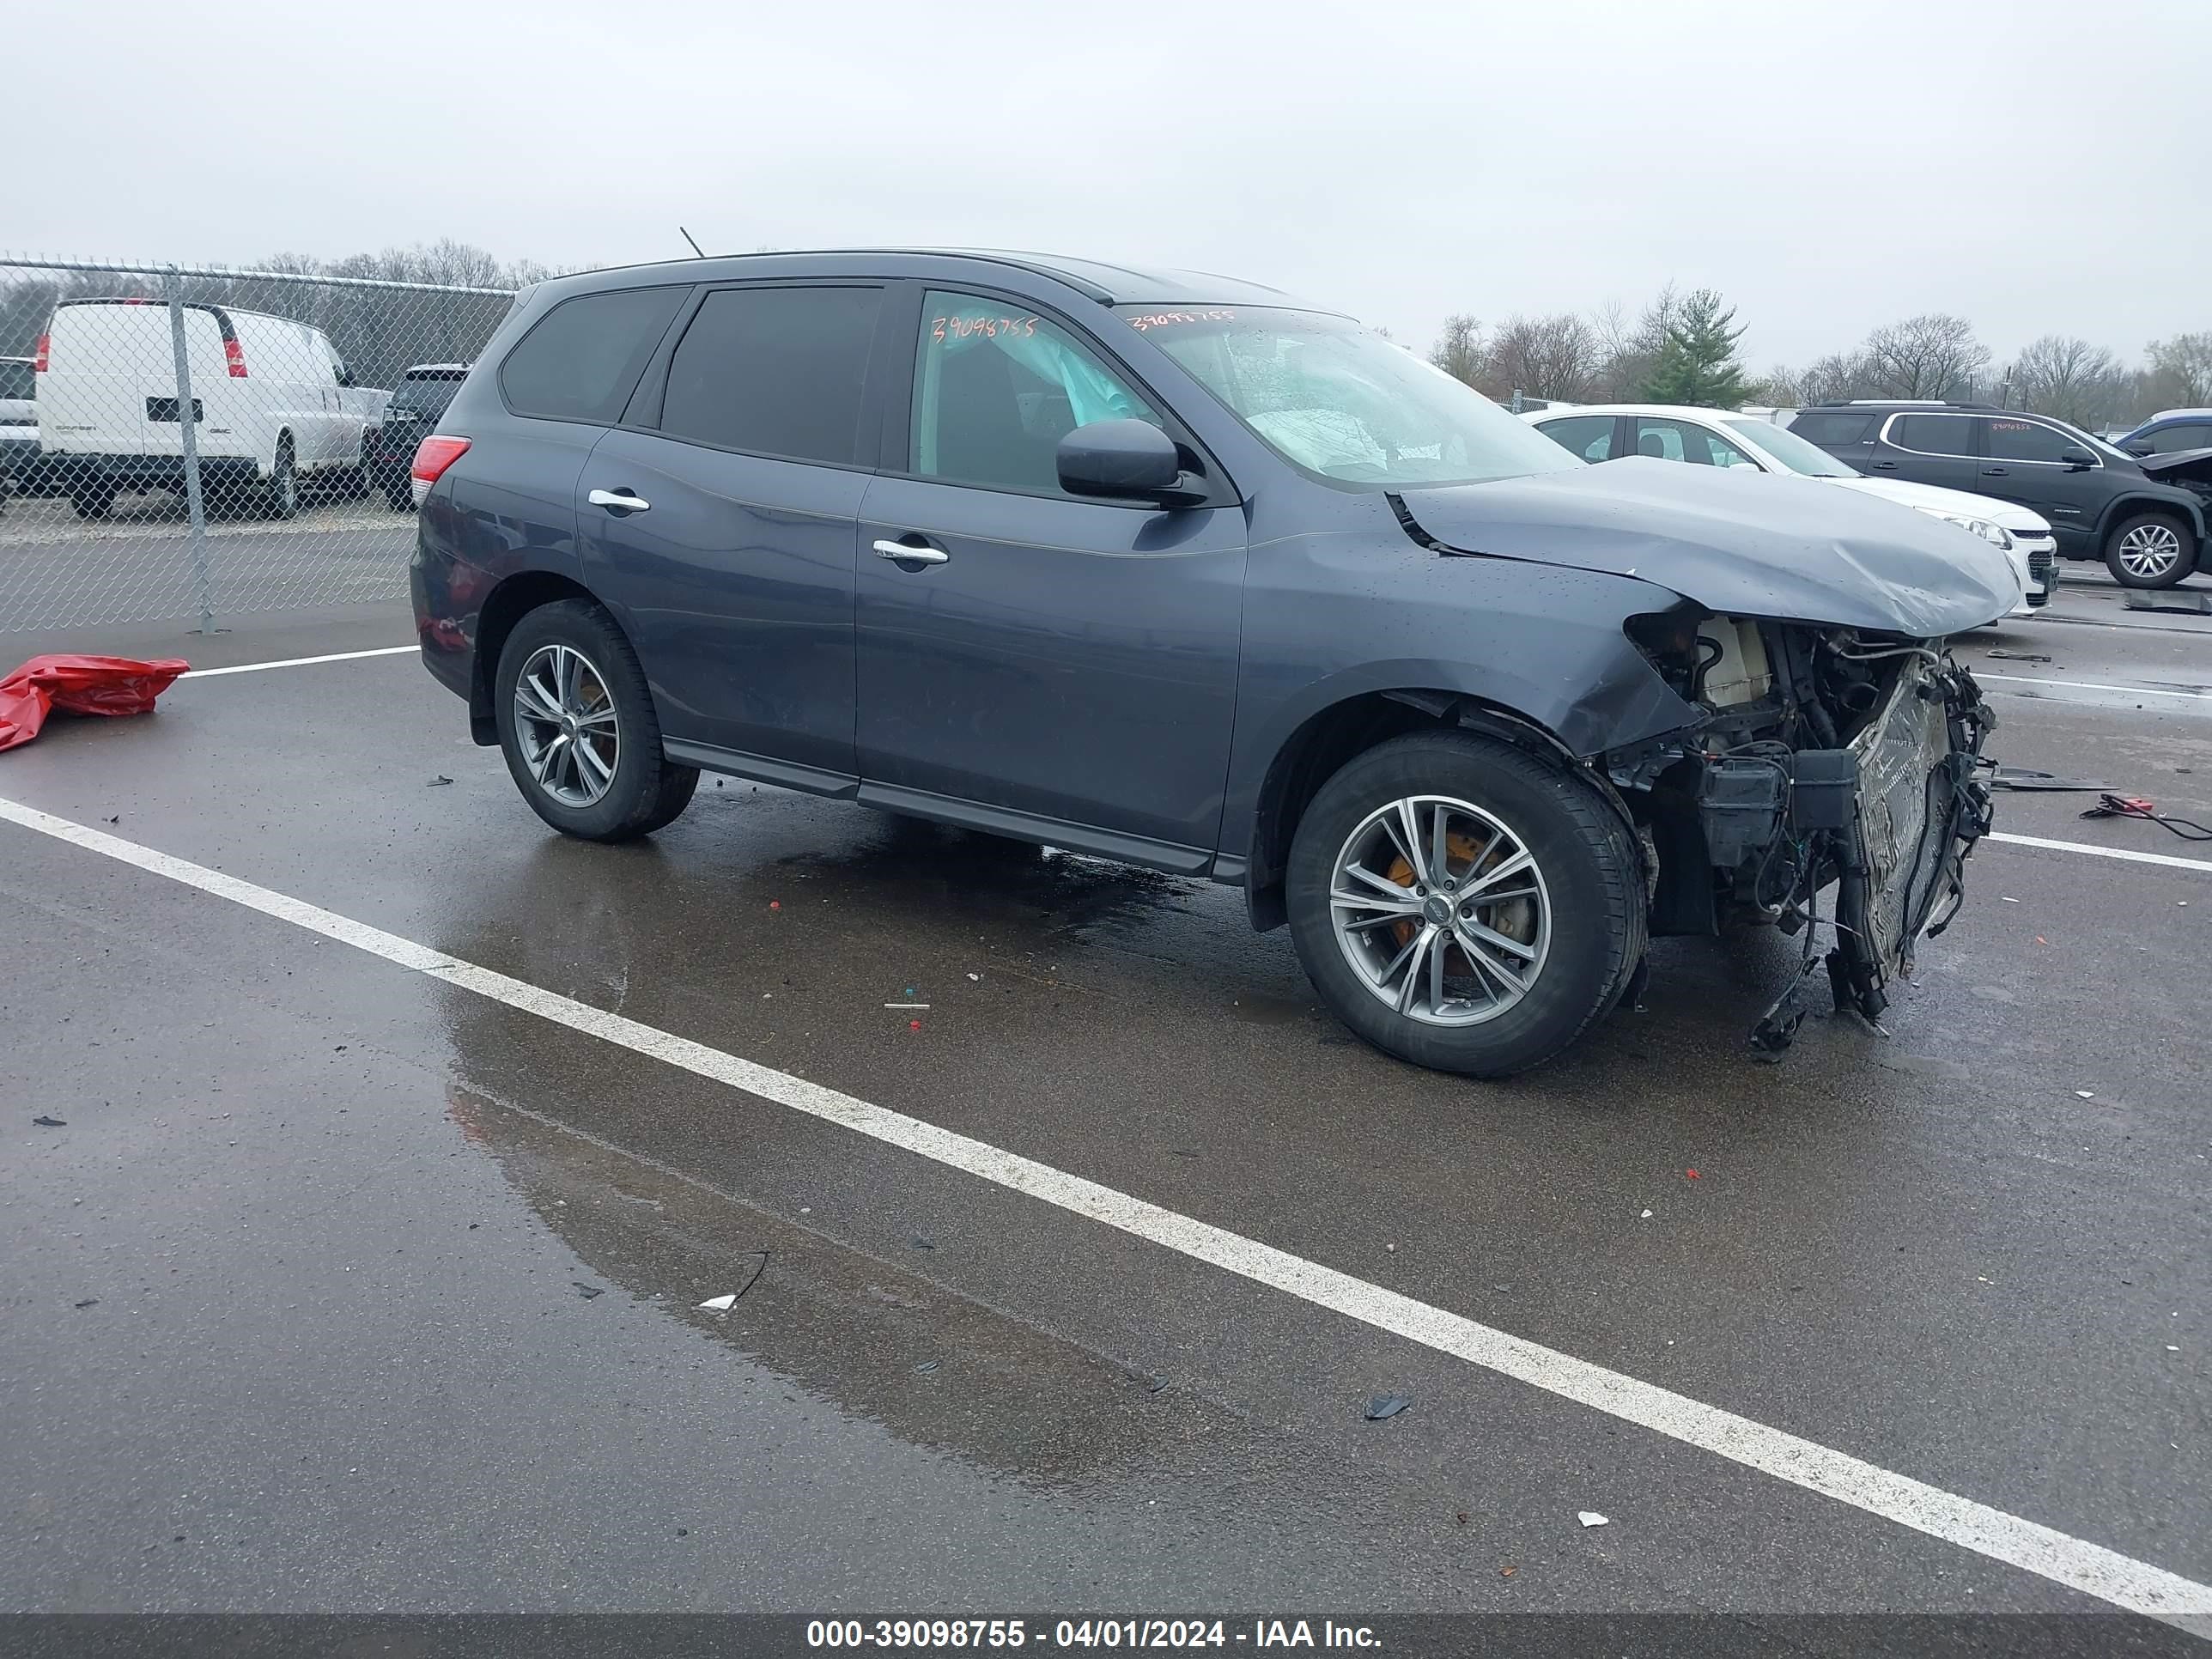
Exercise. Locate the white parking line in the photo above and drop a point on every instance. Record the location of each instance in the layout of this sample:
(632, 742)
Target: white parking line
(2130, 856)
(2075, 1563)
(1988, 678)
(297, 662)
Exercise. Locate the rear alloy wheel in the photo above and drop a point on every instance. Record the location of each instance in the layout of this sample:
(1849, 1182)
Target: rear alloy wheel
(577, 725)
(2150, 549)
(1462, 904)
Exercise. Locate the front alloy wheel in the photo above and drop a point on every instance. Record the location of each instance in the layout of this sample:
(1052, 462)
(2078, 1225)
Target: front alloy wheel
(2149, 550)
(566, 726)
(1441, 910)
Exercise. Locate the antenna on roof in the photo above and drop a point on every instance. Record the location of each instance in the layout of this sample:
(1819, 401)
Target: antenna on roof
(687, 237)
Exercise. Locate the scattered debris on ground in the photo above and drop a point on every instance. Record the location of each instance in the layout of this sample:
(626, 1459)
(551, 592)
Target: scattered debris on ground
(79, 686)
(45, 1122)
(1386, 1405)
(1591, 1518)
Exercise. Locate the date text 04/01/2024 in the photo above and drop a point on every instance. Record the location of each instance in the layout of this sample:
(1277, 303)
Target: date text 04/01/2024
(1136, 1633)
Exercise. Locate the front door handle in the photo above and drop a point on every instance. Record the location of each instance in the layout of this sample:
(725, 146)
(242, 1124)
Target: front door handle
(910, 553)
(1884, 466)
(624, 499)
(1995, 472)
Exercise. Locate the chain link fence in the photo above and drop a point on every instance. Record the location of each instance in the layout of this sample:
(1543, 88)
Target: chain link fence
(190, 443)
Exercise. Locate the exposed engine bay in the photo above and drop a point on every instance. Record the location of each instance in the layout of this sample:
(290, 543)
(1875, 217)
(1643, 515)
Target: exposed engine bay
(1829, 757)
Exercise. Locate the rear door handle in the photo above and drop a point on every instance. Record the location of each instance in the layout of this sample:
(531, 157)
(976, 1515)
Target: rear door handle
(1995, 472)
(910, 553)
(1886, 466)
(618, 498)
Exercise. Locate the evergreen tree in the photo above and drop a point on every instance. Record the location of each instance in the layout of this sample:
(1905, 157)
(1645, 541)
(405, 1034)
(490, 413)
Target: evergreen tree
(1696, 361)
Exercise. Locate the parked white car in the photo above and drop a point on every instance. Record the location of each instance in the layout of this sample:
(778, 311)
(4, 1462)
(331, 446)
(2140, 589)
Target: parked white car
(1714, 437)
(274, 405)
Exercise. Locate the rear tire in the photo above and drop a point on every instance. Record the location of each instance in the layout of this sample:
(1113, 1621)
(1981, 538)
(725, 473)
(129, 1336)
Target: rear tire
(93, 500)
(1571, 951)
(601, 775)
(2150, 550)
(280, 497)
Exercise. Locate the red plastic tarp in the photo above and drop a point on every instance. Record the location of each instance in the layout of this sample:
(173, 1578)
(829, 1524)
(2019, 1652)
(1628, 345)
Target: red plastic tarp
(79, 685)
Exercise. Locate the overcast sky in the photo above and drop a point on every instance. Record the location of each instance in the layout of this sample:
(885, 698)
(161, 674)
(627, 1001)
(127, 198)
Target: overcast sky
(2035, 166)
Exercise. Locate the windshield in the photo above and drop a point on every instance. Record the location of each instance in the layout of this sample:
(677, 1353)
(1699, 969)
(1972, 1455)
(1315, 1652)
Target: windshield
(1798, 454)
(1344, 404)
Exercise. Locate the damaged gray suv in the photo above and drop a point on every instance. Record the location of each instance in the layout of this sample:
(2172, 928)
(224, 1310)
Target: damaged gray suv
(1175, 570)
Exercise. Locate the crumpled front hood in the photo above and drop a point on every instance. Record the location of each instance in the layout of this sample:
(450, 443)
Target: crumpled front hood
(1740, 543)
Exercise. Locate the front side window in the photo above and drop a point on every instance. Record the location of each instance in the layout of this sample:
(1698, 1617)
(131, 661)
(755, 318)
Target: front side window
(996, 387)
(2166, 441)
(2025, 440)
(1343, 403)
(580, 360)
(17, 380)
(774, 371)
(1590, 436)
(1683, 440)
(1934, 434)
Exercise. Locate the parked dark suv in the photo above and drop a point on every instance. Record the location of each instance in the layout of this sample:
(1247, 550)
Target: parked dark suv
(388, 449)
(2101, 502)
(1168, 568)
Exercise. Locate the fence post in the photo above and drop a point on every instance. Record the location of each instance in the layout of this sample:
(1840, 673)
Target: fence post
(173, 288)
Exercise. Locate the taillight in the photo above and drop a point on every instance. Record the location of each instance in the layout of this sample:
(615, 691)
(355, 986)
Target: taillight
(39, 354)
(234, 355)
(432, 456)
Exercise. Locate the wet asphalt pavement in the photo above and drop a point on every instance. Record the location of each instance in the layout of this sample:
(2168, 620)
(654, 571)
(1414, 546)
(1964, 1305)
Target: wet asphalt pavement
(343, 1288)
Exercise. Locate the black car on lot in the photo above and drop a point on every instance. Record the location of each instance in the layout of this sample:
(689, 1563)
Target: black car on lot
(2102, 502)
(1171, 569)
(388, 449)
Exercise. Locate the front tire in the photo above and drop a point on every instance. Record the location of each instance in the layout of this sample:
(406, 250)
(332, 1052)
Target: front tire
(2150, 550)
(1463, 905)
(93, 499)
(577, 725)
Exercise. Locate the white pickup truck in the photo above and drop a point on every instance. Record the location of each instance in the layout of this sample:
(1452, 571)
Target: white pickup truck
(275, 407)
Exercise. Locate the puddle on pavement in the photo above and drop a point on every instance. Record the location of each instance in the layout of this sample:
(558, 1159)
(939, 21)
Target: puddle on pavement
(845, 1328)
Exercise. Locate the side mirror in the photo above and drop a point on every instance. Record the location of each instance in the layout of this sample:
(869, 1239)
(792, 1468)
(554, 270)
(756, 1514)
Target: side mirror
(2140, 447)
(1125, 461)
(2077, 460)
(345, 375)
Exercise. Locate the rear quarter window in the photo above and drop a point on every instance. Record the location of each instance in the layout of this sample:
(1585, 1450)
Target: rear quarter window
(1832, 431)
(581, 360)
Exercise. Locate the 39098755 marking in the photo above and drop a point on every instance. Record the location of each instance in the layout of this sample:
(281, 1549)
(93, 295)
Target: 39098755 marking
(916, 1633)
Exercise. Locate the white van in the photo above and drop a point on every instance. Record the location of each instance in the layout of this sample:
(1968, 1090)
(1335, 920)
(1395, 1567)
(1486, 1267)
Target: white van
(275, 406)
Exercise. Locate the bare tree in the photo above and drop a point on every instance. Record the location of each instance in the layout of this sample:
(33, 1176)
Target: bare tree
(2063, 375)
(1836, 379)
(1555, 358)
(1629, 352)
(1458, 350)
(2179, 371)
(1777, 388)
(1933, 355)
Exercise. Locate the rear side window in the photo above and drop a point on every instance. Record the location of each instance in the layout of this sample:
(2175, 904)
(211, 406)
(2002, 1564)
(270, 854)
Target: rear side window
(1590, 436)
(1934, 434)
(774, 371)
(2025, 441)
(581, 360)
(1832, 431)
(17, 380)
